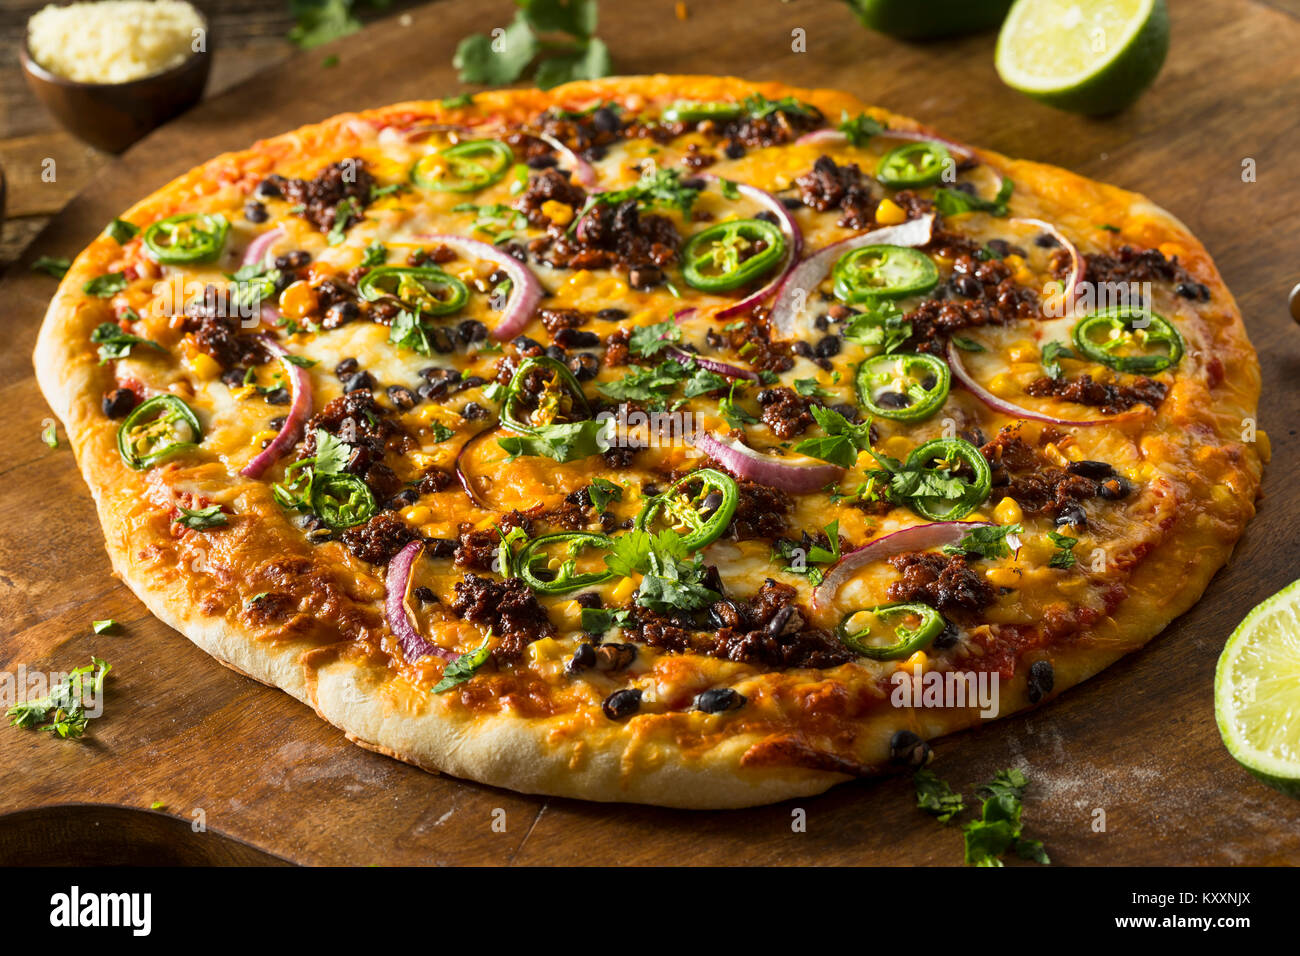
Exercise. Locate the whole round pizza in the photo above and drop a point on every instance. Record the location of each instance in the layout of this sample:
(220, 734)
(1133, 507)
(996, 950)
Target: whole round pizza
(678, 440)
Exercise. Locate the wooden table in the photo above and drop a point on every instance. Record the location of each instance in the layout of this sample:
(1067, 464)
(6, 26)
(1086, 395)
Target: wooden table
(1137, 743)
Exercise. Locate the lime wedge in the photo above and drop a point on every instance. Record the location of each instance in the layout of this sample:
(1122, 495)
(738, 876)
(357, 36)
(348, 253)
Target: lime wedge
(1087, 56)
(1257, 691)
(911, 20)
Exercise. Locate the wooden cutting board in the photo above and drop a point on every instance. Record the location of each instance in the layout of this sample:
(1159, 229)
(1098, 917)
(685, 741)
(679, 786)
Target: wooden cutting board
(1126, 769)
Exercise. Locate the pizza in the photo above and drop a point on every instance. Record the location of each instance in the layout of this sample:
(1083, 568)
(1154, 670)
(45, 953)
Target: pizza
(676, 440)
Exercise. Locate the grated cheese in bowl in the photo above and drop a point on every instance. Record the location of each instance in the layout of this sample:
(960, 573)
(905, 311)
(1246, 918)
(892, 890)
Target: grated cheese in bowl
(113, 41)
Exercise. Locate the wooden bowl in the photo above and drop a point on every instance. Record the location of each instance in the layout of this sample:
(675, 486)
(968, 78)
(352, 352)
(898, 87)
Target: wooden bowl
(112, 116)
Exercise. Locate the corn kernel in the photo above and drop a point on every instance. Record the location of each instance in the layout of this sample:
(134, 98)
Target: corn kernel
(204, 366)
(890, 213)
(1008, 512)
(1003, 386)
(624, 590)
(1003, 577)
(557, 212)
(915, 664)
(1053, 454)
(896, 446)
(581, 278)
(613, 288)
(261, 437)
(418, 514)
(298, 301)
(1023, 351)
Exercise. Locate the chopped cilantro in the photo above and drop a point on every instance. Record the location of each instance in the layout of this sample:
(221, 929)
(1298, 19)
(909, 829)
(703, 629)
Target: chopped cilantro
(957, 202)
(200, 519)
(105, 286)
(1064, 557)
(54, 266)
(63, 710)
(464, 667)
(121, 231)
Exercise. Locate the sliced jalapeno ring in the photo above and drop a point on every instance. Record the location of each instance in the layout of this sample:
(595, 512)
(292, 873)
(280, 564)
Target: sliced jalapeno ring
(914, 164)
(341, 500)
(955, 486)
(188, 237)
(423, 289)
(693, 111)
(464, 168)
(883, 272)
(723, 257)
(156, 430)
(904, 386)
(911, 637)
(551, 401)
(1102, 336)
(703, 514)
(566, 577)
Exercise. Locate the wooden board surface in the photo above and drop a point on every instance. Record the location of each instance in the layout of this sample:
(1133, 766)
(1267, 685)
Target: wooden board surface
(1137, 743)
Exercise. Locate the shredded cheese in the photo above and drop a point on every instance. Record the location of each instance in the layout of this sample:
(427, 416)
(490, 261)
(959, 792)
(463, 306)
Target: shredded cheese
(114, 41)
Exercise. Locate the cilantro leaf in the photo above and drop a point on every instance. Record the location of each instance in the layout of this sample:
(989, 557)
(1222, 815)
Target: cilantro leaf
(408, 332)
(121, 231)
(880, 325)
(114, 343)
(989, 542)
(54, 266)
(64, 707)
(602, 491)
(105, 286)
(967, 345)
(376, 255)
(321, 21)
(999, 827)
(479, 62)
(935, 797)
(648, 385)
(733, 413)
(598, 620)
(1064, 557)
(859, 129)
(589, 62)
(564, 442)
(464, 667)
(957, 202)
(843, 439)
(650, 340)
(1053, 352)
(201, 519)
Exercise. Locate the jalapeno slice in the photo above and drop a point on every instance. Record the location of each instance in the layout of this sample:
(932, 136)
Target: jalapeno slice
(952, 479)
(918, 625)
(1107, 336)
(701, 504)
(692, 111)
(188, 237)
(914, 164)
(566, 577)
(156, 430)
(464, 168)
(731, 254)
(904, 386)
(882, 272)
(341, 500)
(422, 289)
(560, 400)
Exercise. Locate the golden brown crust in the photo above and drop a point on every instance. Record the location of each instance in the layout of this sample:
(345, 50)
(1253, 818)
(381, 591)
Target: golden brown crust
(326, 644)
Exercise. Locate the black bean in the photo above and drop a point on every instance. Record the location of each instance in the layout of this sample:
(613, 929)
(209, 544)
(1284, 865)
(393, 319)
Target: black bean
(1072, 513)
(425, 595)
(711, 503)
(1000, 247)
(605, 120)
(821, 323)
(715, 700)
(622, 703)
(276, 423)
(850, 412)
(403, 499)
(734, 150)
(1045, 240)
(269, 188)
(768, 216)
(293, 260)
(346, 367)
(584, 366)
(473, 412)
(892, 400)
(583, 658)
(695, 182)
(234, 377)
(542, 162)
(1096, 470)
(525, 344)
(611, 315)
(1041, 680)
(358, 381)
(277, 396)
(556, 353)
(401, 397)
(471, 330)
(340, 313)
(431, 391)
(588, 599)
(649, 490)
(803, 349)
(967, 286)
(948, 637)
(789, 202)
(614, 656)
(119, 402)
(567, 338)
(1115, 488)
(908, 749)
(441, 547)
(255, 212)
(776, 627)
(766, 396)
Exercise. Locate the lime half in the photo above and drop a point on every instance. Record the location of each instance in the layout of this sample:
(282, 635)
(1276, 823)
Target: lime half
(1257, 691)
(915, 20)
(1087, 56)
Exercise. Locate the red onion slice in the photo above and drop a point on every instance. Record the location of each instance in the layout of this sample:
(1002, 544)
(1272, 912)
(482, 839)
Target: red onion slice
(1078, 266)
(299, 412)
(1010, 408)
(793, 238)
(396, 584)
(921, 537)
(915, 136)
(582, 171)
(808, 274)
(525, 293)
(739, 459)
(256, 252)
(713, 365)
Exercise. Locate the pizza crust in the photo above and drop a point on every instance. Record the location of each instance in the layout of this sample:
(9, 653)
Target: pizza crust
(378, 709)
